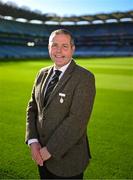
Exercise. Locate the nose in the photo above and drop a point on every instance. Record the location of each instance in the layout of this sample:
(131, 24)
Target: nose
(58, 49)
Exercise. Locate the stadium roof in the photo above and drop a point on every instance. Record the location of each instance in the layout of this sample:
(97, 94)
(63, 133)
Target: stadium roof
(17, 12)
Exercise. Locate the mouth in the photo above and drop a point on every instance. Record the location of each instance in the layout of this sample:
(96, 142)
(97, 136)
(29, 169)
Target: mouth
(59, 57)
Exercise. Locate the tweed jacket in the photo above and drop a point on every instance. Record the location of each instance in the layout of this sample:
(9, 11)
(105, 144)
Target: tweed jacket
(61, 125)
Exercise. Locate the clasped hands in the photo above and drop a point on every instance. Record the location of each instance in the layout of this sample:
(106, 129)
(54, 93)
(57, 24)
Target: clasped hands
(39, 154)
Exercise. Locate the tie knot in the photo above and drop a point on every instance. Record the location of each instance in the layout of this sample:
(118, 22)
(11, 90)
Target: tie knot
(57, 73)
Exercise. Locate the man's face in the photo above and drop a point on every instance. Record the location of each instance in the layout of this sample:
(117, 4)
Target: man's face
(61, 49)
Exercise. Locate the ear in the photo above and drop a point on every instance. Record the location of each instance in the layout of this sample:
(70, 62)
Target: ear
(73, 48)
(48, 46)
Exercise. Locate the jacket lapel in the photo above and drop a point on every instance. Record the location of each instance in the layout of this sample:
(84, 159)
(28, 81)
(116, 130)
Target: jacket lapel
(44, 83)
(62, 81)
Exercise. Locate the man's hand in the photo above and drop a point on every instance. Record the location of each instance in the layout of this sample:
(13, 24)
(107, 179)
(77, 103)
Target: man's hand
(35, 152)
(45, 154)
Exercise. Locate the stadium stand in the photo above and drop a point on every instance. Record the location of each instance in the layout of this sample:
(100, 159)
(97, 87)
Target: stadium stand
(28, 40)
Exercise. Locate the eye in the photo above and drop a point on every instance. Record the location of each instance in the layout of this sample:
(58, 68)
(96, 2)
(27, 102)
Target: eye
(65, 46)
(54, 45)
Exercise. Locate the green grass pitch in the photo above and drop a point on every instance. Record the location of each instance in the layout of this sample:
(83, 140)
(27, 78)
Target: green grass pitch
(110, 129)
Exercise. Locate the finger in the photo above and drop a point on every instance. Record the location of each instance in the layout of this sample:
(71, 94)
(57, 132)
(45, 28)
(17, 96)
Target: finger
(36, 156)
(39, 162)
(41, 154)
(39, 159)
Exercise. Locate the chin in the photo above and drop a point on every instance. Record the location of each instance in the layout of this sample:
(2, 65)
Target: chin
(59, 61)
(59, 64)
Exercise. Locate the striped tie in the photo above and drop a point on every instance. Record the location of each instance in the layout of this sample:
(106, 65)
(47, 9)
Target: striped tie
(51, 85)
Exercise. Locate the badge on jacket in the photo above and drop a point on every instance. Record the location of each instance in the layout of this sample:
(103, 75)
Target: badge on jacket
(62, 95)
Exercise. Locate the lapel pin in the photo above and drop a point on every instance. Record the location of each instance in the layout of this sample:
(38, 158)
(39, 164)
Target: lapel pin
(61, 97)
(61, 100)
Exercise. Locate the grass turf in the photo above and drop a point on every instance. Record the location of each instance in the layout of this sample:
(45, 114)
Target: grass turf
(110, 127)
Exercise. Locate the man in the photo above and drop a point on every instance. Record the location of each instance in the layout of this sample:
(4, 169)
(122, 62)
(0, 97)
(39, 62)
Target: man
(58, 113)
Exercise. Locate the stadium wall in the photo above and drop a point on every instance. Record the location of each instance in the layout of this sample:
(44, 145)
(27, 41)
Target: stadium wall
(26, 40)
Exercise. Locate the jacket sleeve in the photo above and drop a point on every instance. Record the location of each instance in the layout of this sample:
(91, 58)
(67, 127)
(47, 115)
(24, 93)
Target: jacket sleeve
(31, 115)
(74, 126)
(31, 132)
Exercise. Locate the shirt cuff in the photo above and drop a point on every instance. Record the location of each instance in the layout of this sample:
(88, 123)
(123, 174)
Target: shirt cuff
(32, 141)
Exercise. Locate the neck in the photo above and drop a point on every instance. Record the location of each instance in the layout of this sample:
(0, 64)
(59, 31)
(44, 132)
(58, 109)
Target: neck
(59, 67)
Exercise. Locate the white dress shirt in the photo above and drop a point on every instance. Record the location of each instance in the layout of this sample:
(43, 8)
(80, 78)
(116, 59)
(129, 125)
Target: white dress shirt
(62, 69)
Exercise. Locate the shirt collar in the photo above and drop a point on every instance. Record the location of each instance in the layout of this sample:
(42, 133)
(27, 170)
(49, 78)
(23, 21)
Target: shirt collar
(63, 68)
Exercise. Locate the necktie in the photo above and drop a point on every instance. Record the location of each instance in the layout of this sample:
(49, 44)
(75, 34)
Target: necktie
(51, 85)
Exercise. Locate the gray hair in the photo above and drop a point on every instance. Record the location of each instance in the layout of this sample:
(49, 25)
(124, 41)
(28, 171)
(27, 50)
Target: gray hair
(62, 31)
